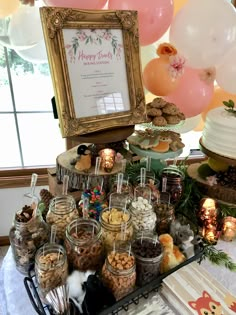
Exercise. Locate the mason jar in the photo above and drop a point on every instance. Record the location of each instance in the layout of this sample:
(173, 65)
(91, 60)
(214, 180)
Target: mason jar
(116, 225)
(83, 245)
(148, 254)
(126, 190)
(119, 274)
(165, 215)
(62, 210)
(26, 238)
(51, 267)
(153, 183)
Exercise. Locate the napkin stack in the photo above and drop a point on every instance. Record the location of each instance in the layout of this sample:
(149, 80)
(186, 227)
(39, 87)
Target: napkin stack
(192, 290)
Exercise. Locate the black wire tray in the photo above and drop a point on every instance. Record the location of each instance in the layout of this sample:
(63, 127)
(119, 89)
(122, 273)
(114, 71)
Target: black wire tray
(123, 304)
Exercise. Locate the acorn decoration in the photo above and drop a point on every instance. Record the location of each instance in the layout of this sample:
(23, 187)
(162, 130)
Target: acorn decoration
(83, 163)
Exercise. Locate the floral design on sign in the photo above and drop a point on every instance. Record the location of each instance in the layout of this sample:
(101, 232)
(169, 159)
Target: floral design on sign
(93, 37)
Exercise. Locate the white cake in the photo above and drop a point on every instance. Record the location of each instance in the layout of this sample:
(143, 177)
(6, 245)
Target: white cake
(219, 133)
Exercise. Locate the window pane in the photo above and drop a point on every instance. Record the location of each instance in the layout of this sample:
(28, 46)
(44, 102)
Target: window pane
(32, 84)
(10, 156)
(40, 138)
(5, 95)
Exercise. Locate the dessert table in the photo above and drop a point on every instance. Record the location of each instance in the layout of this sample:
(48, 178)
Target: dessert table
(14, 298)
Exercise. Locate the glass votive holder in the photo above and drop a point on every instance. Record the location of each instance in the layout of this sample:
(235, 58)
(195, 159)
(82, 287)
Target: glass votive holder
(107, 159)
(228, 229)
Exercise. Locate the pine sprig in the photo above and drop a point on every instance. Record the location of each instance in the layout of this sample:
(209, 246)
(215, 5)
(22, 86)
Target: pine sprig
(227, 210)
(218, 257)
(230, 107)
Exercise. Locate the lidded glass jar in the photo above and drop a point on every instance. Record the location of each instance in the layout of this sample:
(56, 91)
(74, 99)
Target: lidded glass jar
(148, 254)
(116, 225)
(172, 182)
(51, 267)
(143, 215)
(62, 211)
(118, 273)
(83, 244)
(27, 234)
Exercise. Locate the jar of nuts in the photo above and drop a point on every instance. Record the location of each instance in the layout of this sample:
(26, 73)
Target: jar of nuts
(143, 215)
(118, 273)
(62, 210)
(83, 245)
(51, 267)
(116, 226)
(27, 234)
(148, 254)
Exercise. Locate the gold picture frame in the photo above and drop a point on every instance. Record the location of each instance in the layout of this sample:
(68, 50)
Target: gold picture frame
(95, 67)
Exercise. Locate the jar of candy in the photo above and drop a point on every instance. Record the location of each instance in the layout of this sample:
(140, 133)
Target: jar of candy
(51, 267)
(118, 273)
(172, 182)
(116, 226)
(27, 234)
(62, 211)
(148, 254)
(83, 244)
(143, 215)
(165, 214)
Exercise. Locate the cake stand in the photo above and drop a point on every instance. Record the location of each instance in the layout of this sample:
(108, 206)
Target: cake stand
(157, 159)
(216, 156)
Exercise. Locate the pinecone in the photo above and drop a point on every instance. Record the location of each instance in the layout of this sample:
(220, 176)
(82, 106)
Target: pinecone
(46, 197)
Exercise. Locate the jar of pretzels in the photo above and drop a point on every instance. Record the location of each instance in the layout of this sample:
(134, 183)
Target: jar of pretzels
(62, 211)
(51, 267)
(116, 226)
(118, 273)
(83, 245)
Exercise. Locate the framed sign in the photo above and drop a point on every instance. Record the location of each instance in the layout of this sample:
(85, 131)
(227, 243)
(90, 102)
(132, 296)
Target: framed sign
(95, 67)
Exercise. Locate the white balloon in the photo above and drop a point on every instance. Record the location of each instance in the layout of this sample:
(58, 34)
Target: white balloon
(36, 54)
(226, 72)
(25, 29)
(203, 31)
(189, 124)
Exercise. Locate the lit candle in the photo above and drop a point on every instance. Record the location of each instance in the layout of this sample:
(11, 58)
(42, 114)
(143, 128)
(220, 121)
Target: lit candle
(108, 159)
(229, 229)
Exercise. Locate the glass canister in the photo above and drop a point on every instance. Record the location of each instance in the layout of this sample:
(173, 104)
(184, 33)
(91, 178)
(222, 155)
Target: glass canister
(148, 254)
(172, 182)
(51, 267)
(118, 273)
(62, 211)
(126, 189)
(153, 183)
(143, 215)
(27, 234)
(116, 226)
(165, 214)
(83, 245)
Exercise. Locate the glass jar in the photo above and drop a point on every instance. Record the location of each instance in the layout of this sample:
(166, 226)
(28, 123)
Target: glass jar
(51, 267)
(148, 254)
(126, 190)
(165, 213)
(153, 183)
(118, 273)
(172, 182)
(84, 245)
(62, 210)
(143, 215)
(26, 238)
(116, 226)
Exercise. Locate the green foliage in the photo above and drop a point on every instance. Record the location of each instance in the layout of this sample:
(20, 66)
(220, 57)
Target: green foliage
(230, 107)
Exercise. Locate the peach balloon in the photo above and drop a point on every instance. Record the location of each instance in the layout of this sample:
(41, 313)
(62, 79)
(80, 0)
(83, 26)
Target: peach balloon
(178, 4)
(157, 78)
(219, 95)
(192, 94)
(8, 7)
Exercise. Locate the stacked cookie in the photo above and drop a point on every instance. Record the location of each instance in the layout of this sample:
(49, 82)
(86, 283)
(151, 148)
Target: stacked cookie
(162, 113)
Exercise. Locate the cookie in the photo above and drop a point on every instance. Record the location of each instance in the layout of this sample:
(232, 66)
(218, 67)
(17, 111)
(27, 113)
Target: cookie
(153, 112)
(181, 116)
(159, 121)
(170, 109)
(158, 102)
(172, 119)
(176, 145)
(163, 146)
(144, 139)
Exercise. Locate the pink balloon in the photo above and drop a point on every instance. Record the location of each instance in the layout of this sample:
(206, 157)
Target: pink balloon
(80, 4)
(155, 16)
(192, 94)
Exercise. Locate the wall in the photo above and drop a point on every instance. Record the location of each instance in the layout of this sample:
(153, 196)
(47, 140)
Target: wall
(10, 202)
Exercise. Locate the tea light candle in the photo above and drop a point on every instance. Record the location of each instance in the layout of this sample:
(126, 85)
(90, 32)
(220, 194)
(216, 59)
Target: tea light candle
(107, 159)
(208, 219)
(229, 229)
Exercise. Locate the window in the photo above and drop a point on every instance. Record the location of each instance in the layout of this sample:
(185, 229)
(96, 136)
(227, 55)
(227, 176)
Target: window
(29, 134)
